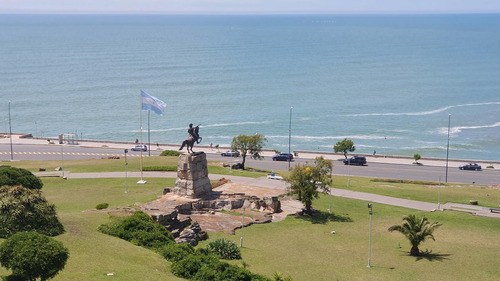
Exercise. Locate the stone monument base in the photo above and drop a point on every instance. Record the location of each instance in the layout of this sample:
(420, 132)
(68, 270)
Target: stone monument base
(192, 176)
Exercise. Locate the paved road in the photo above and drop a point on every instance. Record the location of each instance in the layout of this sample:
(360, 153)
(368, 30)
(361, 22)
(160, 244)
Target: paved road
(378, 167)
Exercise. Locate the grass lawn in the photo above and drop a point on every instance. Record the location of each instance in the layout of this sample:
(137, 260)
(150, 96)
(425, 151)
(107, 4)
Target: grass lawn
(118, 165)
(466, 247)
(303, 248)
(456, 193)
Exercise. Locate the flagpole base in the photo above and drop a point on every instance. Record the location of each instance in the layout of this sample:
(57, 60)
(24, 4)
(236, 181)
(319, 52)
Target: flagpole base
(142, 182)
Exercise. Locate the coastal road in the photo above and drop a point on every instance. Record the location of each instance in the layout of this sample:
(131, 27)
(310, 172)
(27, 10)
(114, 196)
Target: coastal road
(379, 170)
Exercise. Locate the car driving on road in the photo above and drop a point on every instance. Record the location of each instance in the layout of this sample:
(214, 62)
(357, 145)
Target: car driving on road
(470, 166)
(140, 147)
(283, 157)
(231, 153)
(355, 160)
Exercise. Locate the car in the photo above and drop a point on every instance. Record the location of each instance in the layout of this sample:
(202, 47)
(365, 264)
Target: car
(355, 160)
(231, 153)
(470, 166)
(140, 147)
(283, 157)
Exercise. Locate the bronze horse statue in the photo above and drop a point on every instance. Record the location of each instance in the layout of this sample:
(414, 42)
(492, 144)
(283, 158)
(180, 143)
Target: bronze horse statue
(194, 137)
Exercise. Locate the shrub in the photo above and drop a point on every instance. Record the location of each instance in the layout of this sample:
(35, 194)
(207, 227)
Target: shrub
(225, 249)
(23, 209)
(160, 168)
(140, 230)
(13, 176)
(170, 153)
(417, 157)
(102, 206)
(176, 252)
(31, 255)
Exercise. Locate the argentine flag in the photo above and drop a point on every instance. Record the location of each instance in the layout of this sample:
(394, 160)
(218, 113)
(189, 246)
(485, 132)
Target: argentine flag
(151, 103)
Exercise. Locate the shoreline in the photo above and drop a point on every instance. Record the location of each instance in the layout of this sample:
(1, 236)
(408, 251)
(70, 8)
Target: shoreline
(20, 138)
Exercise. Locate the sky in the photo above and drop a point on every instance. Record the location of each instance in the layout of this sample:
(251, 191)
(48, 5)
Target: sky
(247, 6)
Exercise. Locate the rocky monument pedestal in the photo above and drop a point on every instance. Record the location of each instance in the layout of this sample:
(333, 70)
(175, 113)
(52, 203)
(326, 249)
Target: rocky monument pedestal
(192, 175)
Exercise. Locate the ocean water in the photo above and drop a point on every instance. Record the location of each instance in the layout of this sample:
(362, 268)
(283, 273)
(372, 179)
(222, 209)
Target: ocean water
(388, 82)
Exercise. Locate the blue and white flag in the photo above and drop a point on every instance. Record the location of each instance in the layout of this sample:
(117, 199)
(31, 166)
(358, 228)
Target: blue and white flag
(151, 103)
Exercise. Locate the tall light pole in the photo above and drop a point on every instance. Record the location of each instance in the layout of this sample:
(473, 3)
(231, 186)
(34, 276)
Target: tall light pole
(439, 194)
(331, 186)
(385, 148)
(126, 176)
(448, 148)
(289, 137)
(10, 137)
(370, 239)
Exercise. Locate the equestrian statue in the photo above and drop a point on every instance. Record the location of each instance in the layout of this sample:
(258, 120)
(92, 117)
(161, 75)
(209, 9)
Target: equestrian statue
(194, 137)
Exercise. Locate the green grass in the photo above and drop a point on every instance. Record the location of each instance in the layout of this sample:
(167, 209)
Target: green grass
(456, 193)
(303, 248)
(118, 165)
(466, 246)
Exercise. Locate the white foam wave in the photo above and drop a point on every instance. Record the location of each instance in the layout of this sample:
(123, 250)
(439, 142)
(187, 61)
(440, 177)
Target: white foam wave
(459, 129)
(439, 110)
(365, 137)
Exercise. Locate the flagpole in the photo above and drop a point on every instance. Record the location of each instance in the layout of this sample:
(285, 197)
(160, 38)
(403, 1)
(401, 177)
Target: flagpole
(140, 118)
(149, 132)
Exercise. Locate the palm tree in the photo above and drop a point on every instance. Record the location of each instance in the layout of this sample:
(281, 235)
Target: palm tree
(417, 230)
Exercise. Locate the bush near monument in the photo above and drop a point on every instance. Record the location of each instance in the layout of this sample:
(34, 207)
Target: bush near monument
(12, 176)
(140, 230)
(225, 249)
(23, 209)
(31, 255)
(170, 153)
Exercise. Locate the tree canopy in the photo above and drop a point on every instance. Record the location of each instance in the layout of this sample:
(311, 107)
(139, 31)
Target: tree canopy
(417, 229)
(12, 176)
(306, 179)
(344, 146)
(31, 255)
(249, 145)
(23, 209)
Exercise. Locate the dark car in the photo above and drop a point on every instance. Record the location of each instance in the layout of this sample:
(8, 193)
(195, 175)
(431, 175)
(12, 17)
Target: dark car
(140, 147)
(283, 157)
(231, 153)
(471, 166)
(355, 160)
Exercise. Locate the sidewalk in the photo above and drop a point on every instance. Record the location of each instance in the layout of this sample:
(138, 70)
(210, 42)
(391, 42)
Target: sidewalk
(452, 163)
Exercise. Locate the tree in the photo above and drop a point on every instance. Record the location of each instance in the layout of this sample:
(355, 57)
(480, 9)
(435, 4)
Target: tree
(417, 230)
(416, 157)
(305, 180)
(251, 145)
(344, 146)
(31, 255)
(17, 176)
(23, 209)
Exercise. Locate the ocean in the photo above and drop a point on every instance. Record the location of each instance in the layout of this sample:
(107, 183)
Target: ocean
(388, 82)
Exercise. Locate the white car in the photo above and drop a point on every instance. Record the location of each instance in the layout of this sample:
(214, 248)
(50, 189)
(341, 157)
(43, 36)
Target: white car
(140, 147)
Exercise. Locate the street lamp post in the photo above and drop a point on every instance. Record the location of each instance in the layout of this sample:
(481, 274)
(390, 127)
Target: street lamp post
(10, 137)
(289, 137)
(242, 226)
(447, 148)
(370, 206)
(331, 186)
(126, 176)
(439, 194)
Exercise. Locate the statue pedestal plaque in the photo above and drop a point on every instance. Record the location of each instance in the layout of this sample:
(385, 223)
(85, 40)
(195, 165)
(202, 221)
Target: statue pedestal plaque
(192, 175)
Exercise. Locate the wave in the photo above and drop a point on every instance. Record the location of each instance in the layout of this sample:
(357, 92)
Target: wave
(366, 137)
(208, 126)
(421, 113)
(458, 129)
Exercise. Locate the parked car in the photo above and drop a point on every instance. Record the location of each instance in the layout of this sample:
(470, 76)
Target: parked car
(140, 147)
(355, 160)
(231, 153)
(283, 157)
(470, 166)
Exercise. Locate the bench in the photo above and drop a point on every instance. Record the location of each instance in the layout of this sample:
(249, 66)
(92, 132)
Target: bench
(494, 210)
